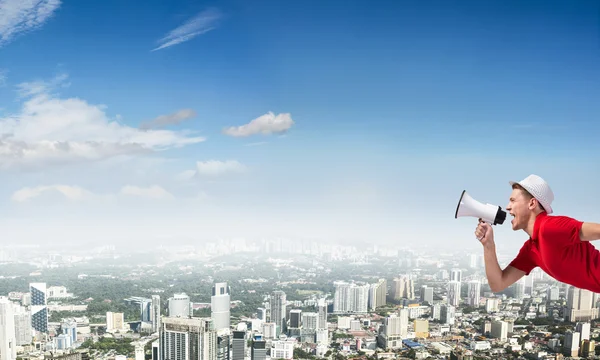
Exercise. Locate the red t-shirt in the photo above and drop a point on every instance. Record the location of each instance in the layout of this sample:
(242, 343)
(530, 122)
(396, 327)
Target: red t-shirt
(556, 248)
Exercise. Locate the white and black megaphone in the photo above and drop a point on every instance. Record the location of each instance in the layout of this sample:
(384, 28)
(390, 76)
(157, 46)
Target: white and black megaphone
(467, 206)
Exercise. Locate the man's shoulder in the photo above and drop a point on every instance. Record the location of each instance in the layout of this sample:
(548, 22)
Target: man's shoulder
(557, 220)
(558, 224)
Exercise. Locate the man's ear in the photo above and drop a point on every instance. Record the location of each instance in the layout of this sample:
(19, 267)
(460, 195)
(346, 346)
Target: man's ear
(533, 203)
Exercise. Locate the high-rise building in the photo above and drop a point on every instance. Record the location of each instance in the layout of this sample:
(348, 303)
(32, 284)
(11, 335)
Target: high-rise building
(8, 341)
(584, 329)
(23, 328)
(322, 308)
(39, 307)
(223, 344)
(187, 338)
(259, 348)
(220, 305)
(155, 313)
(492, 305)
(278, 310)
(553, 293)
(377, 294)
(427, 295)
(447, 314)
(179, 305)
(572, 340)
(474, 293)
(238, 345)
(115, 321)
(580, 305)
(456, 275)
(403, 287)
(296, 318)
(69, 328)
(500, 330)
(394, 330)
(453, 293)
(350, 298)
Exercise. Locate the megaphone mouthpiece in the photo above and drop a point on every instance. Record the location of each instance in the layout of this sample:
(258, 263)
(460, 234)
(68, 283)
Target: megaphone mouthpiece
(467, 206)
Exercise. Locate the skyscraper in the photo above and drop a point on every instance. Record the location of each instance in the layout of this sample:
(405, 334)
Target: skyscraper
(220, 306)
(322, 307)
(580, 305)
(179, 306)
(187, 338)
(8, 339)
(454, 293)
(155, 313)
(278, 310)
(350, 298)
(474, 293)
(39, 308)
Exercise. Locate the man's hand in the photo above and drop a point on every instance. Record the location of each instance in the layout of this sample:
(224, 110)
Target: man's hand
(485, 234)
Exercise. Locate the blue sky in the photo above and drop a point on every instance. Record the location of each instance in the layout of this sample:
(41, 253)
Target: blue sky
(389, 112)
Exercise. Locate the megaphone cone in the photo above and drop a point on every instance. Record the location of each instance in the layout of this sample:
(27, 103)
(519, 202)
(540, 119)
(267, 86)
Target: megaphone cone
(467, 206)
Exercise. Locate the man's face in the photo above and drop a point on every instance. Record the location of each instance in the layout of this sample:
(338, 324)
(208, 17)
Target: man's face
(520, 208)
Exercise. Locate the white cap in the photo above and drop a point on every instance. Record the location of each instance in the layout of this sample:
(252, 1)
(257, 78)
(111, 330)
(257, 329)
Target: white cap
(540, 190)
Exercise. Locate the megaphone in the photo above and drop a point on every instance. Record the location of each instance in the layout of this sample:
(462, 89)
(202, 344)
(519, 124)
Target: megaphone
(467, 206)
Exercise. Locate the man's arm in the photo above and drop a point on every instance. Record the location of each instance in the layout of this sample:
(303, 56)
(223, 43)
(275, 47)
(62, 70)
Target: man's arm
(499, 279)
(589, 231)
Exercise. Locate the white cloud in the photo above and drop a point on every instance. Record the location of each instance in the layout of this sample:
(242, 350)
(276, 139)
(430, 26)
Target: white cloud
(170, 119)
(77, 193)
(217, 168)
(151, 192)
(73, 193)
(20, 16)
(50, 130)
(266, 124)
(198, 25)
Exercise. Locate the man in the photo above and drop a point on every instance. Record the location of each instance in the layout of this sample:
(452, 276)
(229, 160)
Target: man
(559, 245)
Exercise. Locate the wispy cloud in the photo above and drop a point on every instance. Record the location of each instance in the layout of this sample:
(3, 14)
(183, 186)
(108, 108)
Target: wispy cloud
(73, 193)
(259, 143)
(2, 77)
(217, 168)
(21, 16)
(212, 169)
(266, 124)
(77, 193)
(51, 130)
(198, 25)
(170, 119)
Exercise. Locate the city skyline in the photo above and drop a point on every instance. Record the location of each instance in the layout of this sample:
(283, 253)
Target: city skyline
(192, 122)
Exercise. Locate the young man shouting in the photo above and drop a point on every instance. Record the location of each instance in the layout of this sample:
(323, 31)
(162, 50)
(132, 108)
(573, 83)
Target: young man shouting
(559, 245)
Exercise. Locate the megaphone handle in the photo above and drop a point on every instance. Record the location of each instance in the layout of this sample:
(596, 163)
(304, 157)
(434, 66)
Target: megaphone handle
(485, 221)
